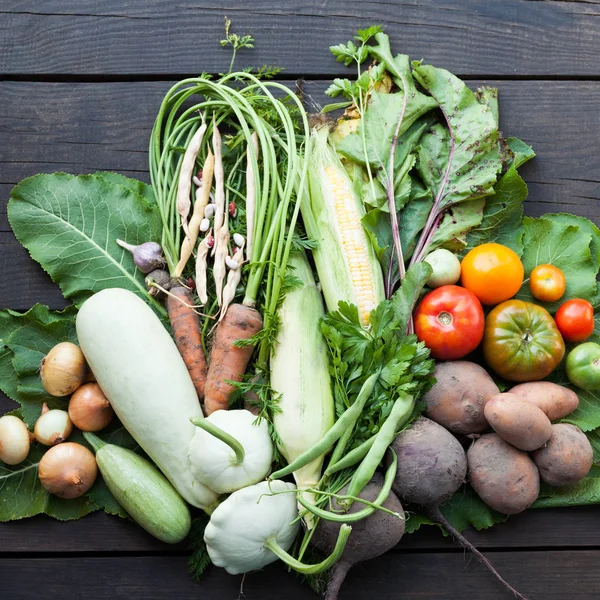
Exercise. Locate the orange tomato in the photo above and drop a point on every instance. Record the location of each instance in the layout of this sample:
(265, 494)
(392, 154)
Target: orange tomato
(547, 283)
(493, 272)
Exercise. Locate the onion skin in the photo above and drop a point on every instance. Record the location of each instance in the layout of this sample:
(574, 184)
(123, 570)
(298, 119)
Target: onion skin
(14, 440)
(53, 427)
(89, 408)
(68, 470)
(63, 369)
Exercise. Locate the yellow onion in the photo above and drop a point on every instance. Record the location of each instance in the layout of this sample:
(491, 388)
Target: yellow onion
(63, 369)
(53, 426)
(14, 440)
(68, 470)
(89, 408)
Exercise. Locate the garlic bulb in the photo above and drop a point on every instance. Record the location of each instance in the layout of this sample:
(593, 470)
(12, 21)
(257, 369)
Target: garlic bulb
(68, 470)
(147, 256)
(89, 408)
(63, 369)
(14, 440)
(53, 426)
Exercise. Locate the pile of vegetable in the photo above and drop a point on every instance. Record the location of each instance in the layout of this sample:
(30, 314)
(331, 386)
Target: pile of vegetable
(309, 335)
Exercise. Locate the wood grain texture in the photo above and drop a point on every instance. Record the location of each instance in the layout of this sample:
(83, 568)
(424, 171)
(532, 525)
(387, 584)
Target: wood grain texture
(101, 533)
(547, 575)
(496, 37)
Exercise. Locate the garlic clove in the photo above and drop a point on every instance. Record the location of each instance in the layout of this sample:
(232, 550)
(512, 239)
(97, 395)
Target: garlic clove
(63, 369)
(14, 440)
(53, 427)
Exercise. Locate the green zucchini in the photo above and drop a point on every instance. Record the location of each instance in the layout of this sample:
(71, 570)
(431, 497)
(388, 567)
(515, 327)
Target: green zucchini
(142, 490)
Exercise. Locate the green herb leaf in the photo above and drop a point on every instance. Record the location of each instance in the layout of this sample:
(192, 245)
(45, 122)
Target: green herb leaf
(70, 223)
(522, 152)
(414, 215)
(414, 521)
(564, 241)
(466, 509)
(456, 223)
(587, 414)
(407, 295)
(502, 214)
(585, 492)
(460, 162)
(379, 126)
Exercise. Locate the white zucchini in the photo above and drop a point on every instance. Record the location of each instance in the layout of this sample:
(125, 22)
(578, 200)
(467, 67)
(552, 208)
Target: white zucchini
(141, 372)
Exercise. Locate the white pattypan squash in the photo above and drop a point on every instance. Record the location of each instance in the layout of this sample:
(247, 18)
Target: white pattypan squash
(239, 529)
(244, 457)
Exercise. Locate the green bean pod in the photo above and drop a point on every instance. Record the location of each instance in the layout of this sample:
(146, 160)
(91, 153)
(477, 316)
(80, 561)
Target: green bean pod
(353, 457)
(402, 409)
(346, 421)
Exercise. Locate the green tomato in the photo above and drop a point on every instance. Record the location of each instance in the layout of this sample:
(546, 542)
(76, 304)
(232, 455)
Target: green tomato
(583, 366)
(445, 266)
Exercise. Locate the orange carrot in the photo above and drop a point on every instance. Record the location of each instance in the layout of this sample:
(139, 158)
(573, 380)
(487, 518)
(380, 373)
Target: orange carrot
(188, 335)
(228, 362)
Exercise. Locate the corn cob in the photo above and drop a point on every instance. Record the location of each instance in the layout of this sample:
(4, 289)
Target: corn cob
(346, 263)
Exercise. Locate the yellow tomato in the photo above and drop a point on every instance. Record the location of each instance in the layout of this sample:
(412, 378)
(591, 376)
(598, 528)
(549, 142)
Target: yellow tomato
(493, 272)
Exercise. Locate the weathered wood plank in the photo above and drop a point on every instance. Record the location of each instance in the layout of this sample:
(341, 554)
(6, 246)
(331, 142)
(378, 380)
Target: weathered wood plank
(508, 37)
(576, 527)
(538, 575)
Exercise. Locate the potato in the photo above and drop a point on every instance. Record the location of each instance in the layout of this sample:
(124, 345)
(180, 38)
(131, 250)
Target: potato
(518, 422)
(456, 401)
(555, 400)
(566, 458)
(505, 478)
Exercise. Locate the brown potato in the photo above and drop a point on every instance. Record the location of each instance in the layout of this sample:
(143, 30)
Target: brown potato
(555, 400)
(456, 401)
(518, 422)
(566, 458)
(505, 478)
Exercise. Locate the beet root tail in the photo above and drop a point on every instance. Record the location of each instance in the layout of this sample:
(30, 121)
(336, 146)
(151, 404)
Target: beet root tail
(438, 517)
(338, 575)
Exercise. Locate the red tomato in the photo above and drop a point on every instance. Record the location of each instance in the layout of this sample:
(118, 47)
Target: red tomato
(450, 321)
(575, 320)
(547, 283)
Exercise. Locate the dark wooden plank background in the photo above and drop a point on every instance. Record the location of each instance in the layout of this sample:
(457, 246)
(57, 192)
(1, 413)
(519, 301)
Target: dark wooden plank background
(80, 84)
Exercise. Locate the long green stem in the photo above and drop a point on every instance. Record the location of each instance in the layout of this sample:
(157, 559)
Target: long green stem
(301, 567)
(346, 500)
(93, 440)
(226, 438)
